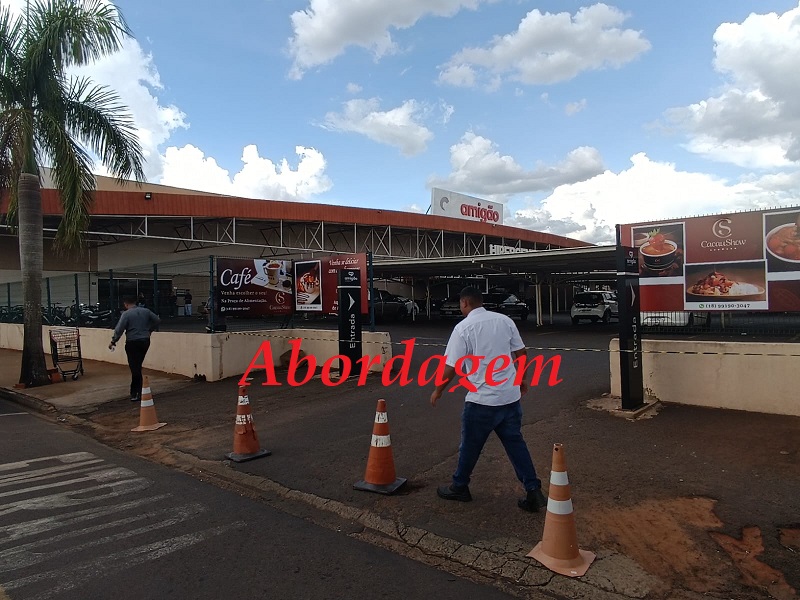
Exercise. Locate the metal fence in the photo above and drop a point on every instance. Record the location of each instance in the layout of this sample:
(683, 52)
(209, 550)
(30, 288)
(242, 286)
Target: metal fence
(179, 292)
(686, 323)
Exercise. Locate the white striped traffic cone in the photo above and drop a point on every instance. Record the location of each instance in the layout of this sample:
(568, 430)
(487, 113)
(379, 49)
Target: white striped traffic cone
(148, 421)
(245, 439)
(381, 476)
(558, 550)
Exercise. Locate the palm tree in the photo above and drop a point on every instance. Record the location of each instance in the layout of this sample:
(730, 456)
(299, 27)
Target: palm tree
(47, 117)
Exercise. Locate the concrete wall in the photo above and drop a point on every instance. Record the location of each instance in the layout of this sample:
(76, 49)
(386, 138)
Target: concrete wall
(765, 383)
(216, 356)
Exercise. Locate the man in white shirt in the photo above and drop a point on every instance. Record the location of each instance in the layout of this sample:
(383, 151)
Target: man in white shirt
(481, 351)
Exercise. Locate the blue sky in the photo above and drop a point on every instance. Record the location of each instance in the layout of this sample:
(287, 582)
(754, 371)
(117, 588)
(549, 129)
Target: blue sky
(575, 115)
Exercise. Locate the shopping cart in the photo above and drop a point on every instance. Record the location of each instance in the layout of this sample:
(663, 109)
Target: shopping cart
(65, 346)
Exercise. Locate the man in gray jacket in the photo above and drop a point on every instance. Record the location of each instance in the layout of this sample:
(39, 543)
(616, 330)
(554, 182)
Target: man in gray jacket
(137, 322)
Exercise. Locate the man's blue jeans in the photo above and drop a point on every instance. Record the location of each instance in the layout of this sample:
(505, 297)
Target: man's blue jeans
(477, 422)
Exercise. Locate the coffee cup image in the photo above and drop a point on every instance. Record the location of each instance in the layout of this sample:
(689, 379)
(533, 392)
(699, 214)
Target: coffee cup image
(273, 269)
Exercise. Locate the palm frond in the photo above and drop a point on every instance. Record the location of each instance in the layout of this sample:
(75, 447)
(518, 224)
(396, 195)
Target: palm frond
(74, 32)
(72, 172)
(10, 36)
(100, 120)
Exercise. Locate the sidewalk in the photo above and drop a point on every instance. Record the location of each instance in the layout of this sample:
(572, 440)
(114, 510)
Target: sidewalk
(683, 503)
(100, 383)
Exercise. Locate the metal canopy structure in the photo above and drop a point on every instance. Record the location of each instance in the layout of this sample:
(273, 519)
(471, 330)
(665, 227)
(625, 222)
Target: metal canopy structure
(554, 265)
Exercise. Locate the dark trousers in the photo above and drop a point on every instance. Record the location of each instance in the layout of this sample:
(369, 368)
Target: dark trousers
(477, 423)
(136, 350)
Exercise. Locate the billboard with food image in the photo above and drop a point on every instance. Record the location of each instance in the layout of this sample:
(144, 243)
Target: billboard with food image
(739, 261)
(308, 286)
(317, 281)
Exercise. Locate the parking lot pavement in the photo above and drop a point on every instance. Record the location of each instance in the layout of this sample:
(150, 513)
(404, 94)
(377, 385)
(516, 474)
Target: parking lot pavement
(679, 504)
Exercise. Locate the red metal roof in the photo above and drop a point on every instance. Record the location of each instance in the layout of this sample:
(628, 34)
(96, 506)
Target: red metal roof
(127, 203)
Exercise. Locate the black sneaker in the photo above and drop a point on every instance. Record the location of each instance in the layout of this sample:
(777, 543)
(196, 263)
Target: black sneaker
(533, 501)
(135, 398)
(450, 492)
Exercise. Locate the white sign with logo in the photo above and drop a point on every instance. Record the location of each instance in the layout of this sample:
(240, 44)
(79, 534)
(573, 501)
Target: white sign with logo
(461, 206)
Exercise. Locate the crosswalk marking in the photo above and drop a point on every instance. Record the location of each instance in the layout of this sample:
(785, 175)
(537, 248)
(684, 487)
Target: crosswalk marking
(54, 474)
(113, 474)
(26, 555)
(70, 458)
(72, 576)
(18, 531)
(81, 507)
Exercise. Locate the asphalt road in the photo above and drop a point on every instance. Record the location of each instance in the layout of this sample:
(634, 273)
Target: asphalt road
(80, 520)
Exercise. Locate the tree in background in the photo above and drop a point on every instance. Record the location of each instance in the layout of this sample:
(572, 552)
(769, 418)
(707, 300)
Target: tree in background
(48, 118)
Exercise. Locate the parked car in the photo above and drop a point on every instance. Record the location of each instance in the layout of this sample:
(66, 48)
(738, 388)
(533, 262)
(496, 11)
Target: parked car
(507, 304)
(497, 300)
(594, 306)
(681, 318)
(451, 307)
(393, 306)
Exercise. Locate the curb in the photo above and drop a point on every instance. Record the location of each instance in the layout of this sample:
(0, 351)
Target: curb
(27, 401)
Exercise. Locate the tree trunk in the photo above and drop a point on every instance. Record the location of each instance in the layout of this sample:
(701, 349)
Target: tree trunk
(31, 243)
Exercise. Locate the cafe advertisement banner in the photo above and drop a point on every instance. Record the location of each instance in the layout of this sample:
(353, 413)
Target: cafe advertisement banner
(316, 282)
(254, 287)
(740, 261)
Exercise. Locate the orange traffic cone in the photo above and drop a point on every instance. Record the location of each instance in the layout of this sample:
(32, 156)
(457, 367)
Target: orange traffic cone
(380, 476)
(148, 421)
(558, 550)
(245, 440)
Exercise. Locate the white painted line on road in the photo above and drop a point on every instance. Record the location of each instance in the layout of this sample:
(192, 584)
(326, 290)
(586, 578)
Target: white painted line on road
(46, 470)
(18, 531)
(26, 555)
(72, 576)
(110, 474)
(72, 457)
(65, 499)
(12, 414)
(28, 478)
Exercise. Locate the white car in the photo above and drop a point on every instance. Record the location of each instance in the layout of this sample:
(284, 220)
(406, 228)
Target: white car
(594, 306)
(680, 318)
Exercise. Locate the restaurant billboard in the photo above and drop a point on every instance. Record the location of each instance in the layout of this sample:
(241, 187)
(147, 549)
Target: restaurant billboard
(317, 280)
(747, 261)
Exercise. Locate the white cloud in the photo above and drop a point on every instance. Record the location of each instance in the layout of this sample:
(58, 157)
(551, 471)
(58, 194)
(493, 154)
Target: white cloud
(648, 190)
(548, 48)
(447, 111)
(133, 76)
(575, 107)
(353, 88)
(399, 127)
(477, 166)
(755, 121)
(326, 28)
(188, 167)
